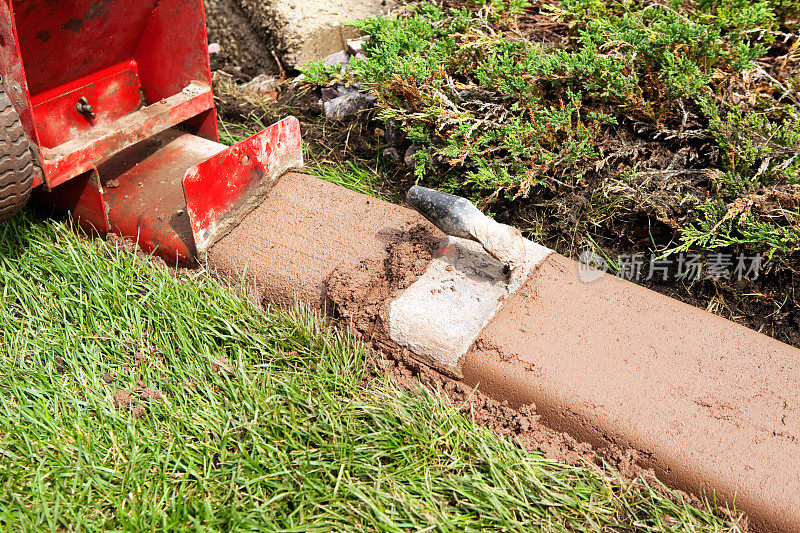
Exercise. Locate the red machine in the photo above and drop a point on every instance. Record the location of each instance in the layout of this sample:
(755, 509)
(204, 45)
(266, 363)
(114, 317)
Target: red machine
(106, 107)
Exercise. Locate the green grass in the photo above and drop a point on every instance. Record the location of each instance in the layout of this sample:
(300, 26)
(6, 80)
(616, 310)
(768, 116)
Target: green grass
(359, 178)
(265, 421)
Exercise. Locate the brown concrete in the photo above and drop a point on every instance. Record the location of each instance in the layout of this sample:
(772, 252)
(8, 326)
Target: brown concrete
(712, 405)
(306, 227)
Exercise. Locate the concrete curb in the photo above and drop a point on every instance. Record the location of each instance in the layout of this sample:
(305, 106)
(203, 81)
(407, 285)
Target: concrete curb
(711, 405)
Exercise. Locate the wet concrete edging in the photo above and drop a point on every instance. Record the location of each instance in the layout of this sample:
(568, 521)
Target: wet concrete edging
(711, 405)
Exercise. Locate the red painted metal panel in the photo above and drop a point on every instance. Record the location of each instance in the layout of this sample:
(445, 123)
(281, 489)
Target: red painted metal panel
(58, 51)
(143, 68)
(146, 193)
(222, 190)
(81, 154)
(62, 40)
(82, 198)
(173, 50)
(138, 194)
(146, 201)
(111, 97)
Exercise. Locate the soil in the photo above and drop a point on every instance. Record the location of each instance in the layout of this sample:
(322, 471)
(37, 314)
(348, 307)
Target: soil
(243, 53)
(122, 400)
(361, 294)
(137, 399)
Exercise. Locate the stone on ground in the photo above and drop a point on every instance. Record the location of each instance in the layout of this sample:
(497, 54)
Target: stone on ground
(299, 31)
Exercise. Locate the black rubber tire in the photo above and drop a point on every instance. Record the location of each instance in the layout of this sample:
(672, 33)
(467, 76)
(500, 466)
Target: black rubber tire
(17, 164)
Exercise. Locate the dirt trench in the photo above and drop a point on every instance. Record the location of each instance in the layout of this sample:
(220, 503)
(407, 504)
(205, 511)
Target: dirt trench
(243, 51)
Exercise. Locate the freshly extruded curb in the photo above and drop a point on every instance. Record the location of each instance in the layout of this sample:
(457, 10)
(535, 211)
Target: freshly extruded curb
(288, 247)
(712, 406)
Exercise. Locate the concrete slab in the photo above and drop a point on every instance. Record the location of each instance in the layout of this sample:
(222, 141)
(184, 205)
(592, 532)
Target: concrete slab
(308, 31)
(444, 311)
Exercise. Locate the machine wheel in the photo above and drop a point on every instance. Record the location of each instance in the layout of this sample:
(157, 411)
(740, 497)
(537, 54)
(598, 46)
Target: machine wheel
(17, 164)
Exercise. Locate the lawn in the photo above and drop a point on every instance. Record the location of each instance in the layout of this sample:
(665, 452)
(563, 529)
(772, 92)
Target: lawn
(137, 399)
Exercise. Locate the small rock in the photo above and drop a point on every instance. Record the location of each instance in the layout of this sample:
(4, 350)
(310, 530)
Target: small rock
(263, 85)
(347, 105)
(408, 158)
(394, 135)
(329, 93)
(393, 154)
(112, 184)
(356, 46)
(214, 48)
(108, 378)
(340, 58)
(441, 161)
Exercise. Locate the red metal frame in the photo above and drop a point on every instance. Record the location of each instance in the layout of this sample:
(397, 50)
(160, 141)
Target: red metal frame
(127, 58)
(87, 151)
(115, 90)
(116, 96)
